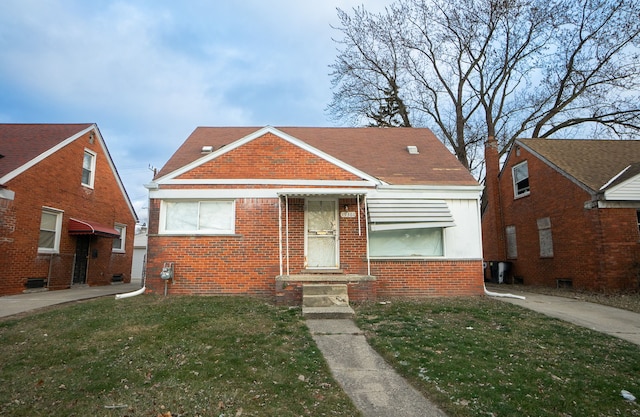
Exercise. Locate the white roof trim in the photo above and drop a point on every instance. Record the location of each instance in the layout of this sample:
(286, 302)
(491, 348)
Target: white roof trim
(258, 133)
(22, 168)
(615, 177)
(259, 181)
(408, 213)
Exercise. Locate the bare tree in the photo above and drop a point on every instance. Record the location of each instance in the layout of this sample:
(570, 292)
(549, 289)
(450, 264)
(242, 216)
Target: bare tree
(470, 69)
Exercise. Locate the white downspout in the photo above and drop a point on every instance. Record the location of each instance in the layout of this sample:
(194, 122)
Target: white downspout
(499, 294)
(131, 294)
(286, 221)
(366, 231)
(280, 230)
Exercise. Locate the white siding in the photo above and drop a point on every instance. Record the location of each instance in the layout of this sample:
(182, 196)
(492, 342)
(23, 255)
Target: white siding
(626, 191)
(463, 241)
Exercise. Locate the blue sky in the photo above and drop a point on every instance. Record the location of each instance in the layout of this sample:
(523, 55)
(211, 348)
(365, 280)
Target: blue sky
(148, 72)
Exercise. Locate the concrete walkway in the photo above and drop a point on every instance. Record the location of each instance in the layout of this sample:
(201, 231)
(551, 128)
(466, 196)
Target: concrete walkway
(613, 321)
(373, 386)
(22, 303)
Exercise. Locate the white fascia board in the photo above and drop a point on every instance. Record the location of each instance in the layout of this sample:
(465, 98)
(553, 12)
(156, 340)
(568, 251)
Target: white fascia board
(615, 177)
(465, 192)
(22, 168)
(258, 181)
(112, 166)
(200, 194)
(258, 133)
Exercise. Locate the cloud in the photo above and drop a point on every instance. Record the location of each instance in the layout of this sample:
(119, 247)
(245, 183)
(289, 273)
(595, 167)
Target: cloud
(150, 71)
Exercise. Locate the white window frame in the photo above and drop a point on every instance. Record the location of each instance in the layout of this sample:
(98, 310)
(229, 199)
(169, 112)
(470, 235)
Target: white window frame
(163, 218)
(92, 172)
(442, 245)
(525, 191)
(123, 237)
(57, 231)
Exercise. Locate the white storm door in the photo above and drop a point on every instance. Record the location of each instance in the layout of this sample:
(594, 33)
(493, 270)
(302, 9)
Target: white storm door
(321, 225)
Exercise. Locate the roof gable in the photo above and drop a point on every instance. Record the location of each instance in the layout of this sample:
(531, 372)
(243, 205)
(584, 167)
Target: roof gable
(270, 156)
(376, 153)
(592, 163)
(24, 145)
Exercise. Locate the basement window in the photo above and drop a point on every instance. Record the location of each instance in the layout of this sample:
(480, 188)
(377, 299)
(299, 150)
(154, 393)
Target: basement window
(520, 175)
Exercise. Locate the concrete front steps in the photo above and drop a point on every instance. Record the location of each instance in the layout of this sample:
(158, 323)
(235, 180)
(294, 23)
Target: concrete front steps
(326, 301)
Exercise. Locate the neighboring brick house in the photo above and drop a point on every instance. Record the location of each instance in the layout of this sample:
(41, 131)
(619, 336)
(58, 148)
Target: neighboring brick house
(65, 217)
(565, 212)
(261, 211)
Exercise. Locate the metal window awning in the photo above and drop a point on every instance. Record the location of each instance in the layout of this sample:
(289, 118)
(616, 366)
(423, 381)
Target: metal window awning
(338, 192)
(408, 213)
(86, 227)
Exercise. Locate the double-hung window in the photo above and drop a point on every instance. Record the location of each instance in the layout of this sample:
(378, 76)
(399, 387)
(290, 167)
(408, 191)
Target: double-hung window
(50, 230)
(199, 217)
(118, 242)
(520, 180)
(88, 168)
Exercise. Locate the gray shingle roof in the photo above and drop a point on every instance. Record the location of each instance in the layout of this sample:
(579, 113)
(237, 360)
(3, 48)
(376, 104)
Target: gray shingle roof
(594, 163)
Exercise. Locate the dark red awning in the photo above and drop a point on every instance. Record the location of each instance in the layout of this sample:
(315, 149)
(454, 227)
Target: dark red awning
(86, 227)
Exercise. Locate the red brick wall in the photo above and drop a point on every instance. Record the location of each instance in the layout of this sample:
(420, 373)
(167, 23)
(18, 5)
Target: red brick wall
(594, 248)
(428, 278)
(493, 243)
(269, 157)
(55, 182)
(248, 262)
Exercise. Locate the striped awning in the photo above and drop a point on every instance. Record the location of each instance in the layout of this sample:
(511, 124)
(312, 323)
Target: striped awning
(408, 213)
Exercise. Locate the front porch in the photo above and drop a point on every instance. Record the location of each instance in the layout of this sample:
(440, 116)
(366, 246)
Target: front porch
(289, 288)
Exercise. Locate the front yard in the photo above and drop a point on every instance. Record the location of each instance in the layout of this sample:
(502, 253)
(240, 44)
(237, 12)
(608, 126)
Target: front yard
(232, 356)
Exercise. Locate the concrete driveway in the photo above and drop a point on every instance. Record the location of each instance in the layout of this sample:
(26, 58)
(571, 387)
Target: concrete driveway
(613, 321)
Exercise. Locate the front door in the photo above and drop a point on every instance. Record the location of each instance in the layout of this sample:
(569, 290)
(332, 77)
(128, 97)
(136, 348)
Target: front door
(82, 259)
(322, 234)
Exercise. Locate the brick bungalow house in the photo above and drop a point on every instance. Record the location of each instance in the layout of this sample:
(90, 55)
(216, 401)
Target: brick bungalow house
(565, 212)
(262, 211)
(65, 217)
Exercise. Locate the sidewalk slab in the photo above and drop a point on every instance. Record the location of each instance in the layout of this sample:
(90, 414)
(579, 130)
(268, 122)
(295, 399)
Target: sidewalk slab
(373, 386)
(21, 303)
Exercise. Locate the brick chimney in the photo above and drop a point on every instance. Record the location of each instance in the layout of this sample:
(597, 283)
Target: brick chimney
(493, 243)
